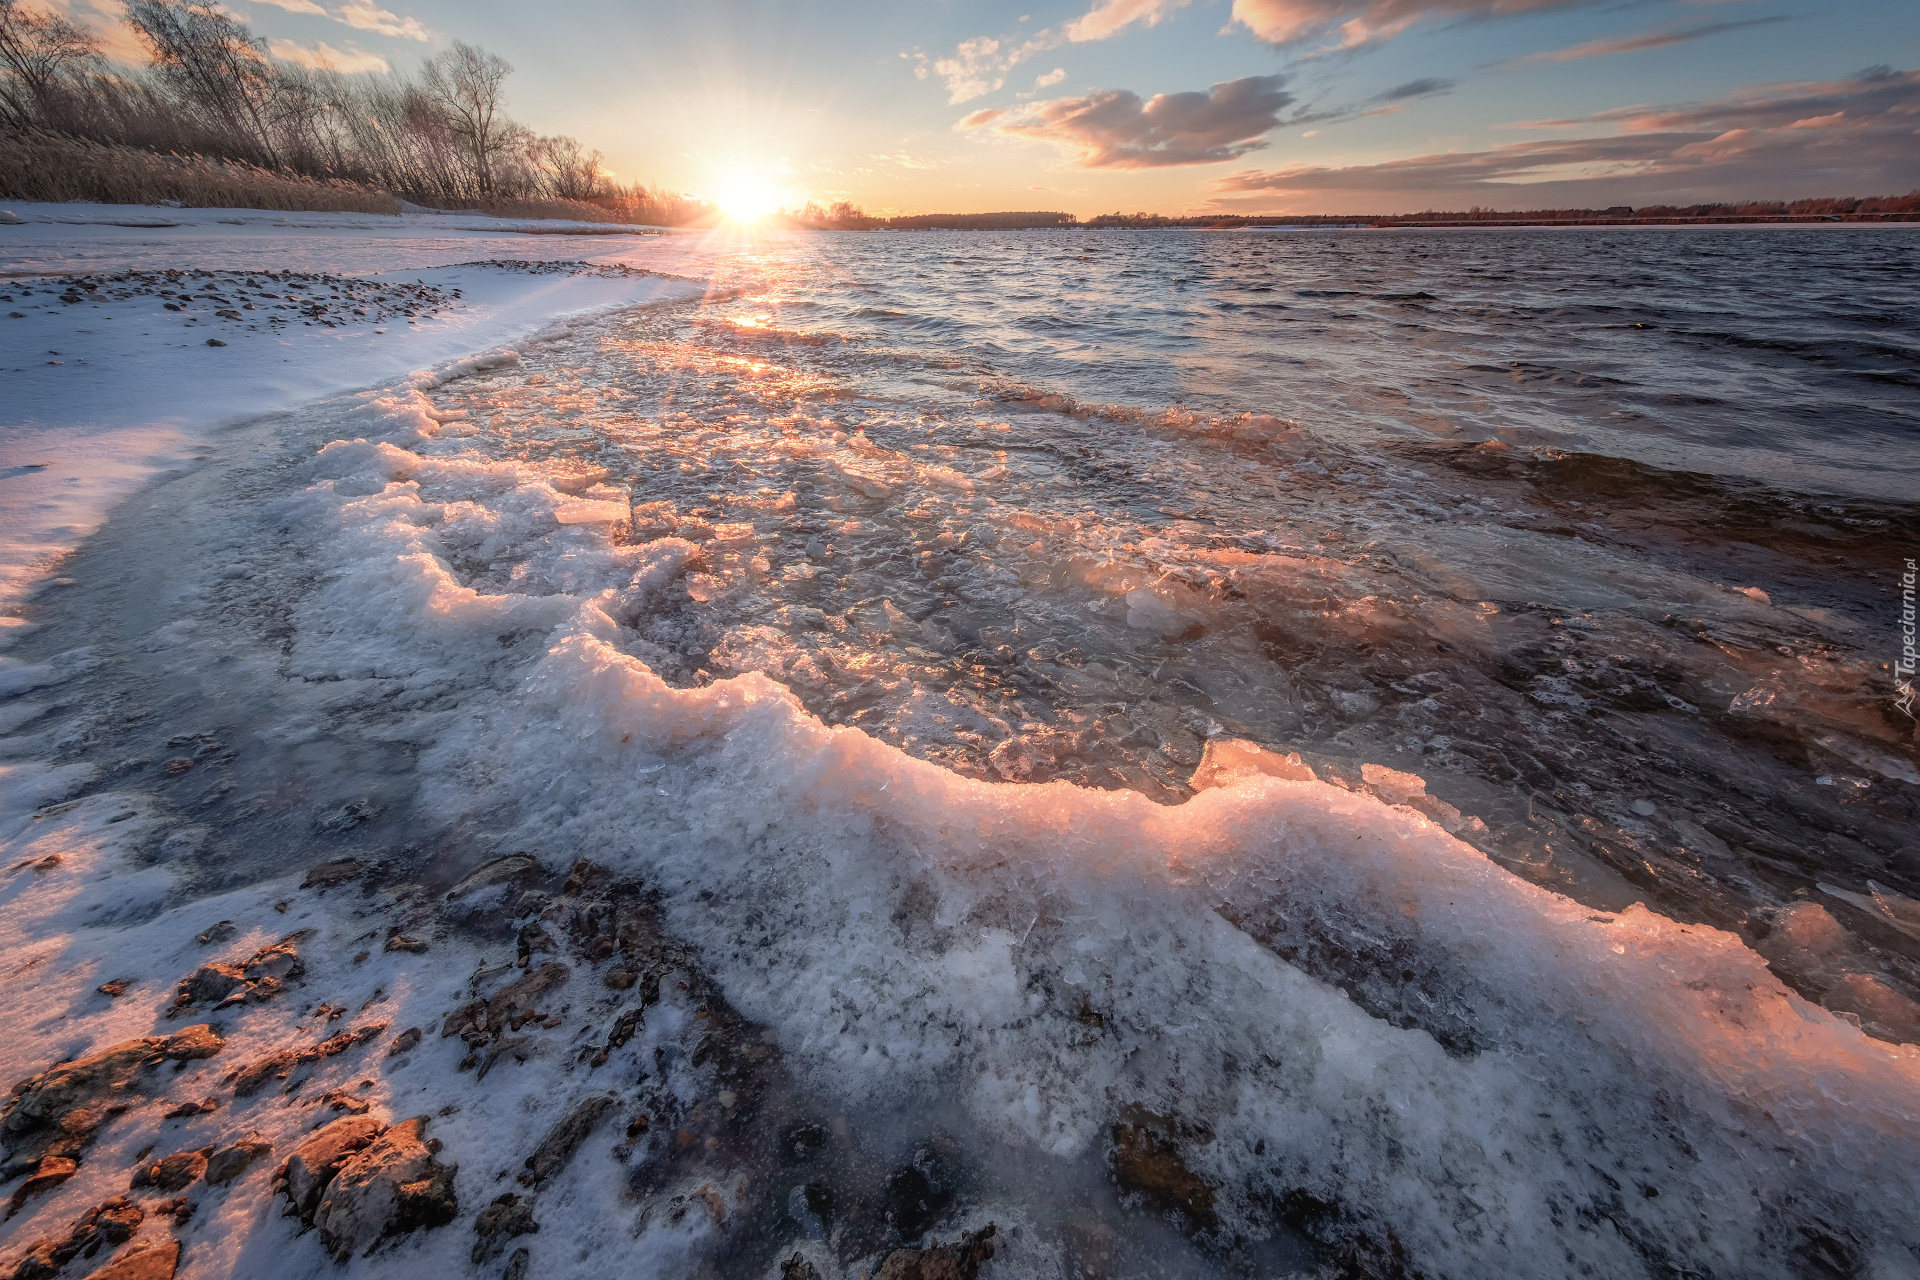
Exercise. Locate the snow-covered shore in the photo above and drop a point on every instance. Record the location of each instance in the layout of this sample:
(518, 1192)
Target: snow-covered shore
(103, 392)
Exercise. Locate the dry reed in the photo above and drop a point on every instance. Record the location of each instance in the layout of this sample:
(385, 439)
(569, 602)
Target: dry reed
(49, 167)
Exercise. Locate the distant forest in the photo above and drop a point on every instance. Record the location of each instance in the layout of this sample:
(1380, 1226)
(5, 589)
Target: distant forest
(211, 111)
(845, 217)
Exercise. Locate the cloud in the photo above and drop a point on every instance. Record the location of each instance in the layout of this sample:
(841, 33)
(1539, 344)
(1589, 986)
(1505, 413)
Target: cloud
(1636, 43)
(1114, 129)
(1415, 89)
(1776, 140)
(362, 15)
(1362, 22)
(980, 65)
(324, 57)
(1109, 18)
(297, 6)
(1391, 102)
(1050, 79)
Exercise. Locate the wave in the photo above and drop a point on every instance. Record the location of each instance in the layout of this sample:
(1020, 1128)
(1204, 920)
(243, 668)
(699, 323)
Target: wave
(1057, 959)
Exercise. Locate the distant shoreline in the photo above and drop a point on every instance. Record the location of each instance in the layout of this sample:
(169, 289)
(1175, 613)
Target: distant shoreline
(1384, 224)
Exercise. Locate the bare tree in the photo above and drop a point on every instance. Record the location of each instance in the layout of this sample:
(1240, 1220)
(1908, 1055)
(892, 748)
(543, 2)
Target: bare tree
(464, 83)
(38, 50)
(212, 61)
(573, 172)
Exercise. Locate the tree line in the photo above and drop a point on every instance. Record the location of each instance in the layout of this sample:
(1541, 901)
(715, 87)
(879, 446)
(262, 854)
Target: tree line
(440, 137)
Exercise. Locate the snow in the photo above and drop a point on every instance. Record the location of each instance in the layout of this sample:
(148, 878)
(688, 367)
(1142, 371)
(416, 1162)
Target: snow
(102, 396)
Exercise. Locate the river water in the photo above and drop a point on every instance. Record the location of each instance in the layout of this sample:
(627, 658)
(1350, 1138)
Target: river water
(1568, 524)
(1219, 753)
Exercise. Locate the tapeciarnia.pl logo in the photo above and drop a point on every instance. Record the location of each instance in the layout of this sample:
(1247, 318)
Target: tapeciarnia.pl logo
(1903, 666)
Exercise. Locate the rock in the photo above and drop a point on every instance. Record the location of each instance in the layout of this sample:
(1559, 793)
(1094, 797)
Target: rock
(798, 1268)
(115, 1220)
(499, 871)
(218, 933)
(187, 1110)
(212, 342)
(329, 874)
(152, 1262)
(172, 1173)
(400, 942)
(520, 994)
(961, 1260)
(118, 987)
(565, 1138)
(110, 1224)
(505, 1218)
(279, 962)
(231, 1163)
(314, 1162)
(624, 1027)
(180, 1209)
(403, 1042)
(914, 1195)
(50, 1173)
(57, 1111)
(1146, 1162)
(250, 1079)
(261, 976)
(471, 1015)
(621, 979)
(517, 1266)
(515, 1045)
(391, 1187)
(188, 1043)
(209, 984)
(533, 936)
(343, 1100)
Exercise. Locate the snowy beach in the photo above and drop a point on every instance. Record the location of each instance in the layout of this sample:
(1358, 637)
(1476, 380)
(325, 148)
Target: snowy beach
(538, 750)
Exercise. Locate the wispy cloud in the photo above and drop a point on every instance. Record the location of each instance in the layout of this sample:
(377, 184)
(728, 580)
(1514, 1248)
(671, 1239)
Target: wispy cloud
(322, 56)
(1857, 134)
(1423, 88)
(365, 16)
(1050, 79)
(980, 65)
(1115, 129)
(1390, 102)
(1109, 18)
(298, 6)
(1361, 22)
(1636, 43)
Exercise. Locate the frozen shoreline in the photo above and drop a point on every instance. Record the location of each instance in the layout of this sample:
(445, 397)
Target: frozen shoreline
(366, 651)
(102, 396)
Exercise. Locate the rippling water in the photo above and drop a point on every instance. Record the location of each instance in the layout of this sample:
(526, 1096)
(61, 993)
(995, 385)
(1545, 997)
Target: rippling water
(1571, 525)
(1790, 358)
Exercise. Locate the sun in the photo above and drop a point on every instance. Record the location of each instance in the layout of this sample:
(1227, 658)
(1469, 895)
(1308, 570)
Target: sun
(746, 197)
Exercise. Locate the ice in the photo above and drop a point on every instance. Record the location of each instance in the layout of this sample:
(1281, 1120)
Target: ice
(940, 936)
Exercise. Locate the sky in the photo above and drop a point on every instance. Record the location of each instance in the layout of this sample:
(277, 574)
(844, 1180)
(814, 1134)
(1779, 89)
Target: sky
(1186, 106)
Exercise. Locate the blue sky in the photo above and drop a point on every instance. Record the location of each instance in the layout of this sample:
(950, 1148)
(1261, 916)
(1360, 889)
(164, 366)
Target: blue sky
(1244, 105)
